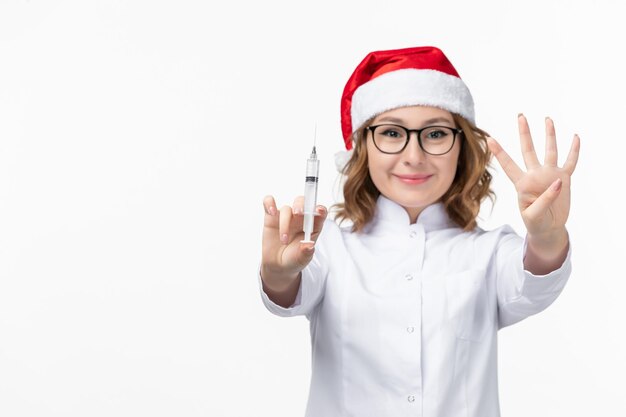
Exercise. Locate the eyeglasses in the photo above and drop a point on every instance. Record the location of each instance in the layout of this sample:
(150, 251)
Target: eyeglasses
(434, 140)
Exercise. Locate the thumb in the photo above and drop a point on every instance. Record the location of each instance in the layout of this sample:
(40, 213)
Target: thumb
(305, 253)
(545, 200)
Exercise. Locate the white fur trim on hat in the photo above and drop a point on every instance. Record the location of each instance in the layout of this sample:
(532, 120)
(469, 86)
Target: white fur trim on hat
(411, 87)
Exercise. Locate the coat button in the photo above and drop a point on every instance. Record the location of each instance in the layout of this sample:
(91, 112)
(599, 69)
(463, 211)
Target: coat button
(410, 329)
(408, 277)
(412, 234)
(411, 398)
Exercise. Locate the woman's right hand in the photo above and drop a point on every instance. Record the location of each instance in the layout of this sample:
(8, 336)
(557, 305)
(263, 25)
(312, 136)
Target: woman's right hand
(284, 254)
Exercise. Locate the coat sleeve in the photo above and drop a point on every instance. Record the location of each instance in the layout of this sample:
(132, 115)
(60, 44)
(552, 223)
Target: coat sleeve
(312, 284)
(520, 293)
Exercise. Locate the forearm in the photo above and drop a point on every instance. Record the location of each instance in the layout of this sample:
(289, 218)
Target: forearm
(282, 290)
(546, 253)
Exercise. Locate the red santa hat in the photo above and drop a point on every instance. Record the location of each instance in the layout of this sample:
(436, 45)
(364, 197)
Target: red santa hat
(386, 80)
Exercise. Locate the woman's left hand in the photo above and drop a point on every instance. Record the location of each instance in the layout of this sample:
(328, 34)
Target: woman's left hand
(543, 190)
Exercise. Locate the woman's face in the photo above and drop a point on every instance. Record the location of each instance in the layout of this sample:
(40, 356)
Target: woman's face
(413, 178)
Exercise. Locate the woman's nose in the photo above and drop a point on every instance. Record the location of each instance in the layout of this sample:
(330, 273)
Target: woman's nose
(413, 154)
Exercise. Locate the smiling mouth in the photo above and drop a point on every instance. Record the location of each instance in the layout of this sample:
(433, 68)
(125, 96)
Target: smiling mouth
(413, 179)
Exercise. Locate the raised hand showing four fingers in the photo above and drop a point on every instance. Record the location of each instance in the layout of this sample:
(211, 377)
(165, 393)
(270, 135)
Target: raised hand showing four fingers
(543, 190)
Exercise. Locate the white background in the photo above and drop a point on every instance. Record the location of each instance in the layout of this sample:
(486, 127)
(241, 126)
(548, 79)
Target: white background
(138, 138)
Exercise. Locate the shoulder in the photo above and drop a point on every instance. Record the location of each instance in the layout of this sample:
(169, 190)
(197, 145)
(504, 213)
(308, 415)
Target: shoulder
(477, 248)
(336, 235)
(492, 238)
(336, 228)
(330, 236)
(331, 227)
(497, 233)
(503, 238)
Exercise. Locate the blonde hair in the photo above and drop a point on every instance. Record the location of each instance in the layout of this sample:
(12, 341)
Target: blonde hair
(471, 184)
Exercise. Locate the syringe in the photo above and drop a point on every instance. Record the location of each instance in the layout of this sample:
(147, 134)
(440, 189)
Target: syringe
(310, 194)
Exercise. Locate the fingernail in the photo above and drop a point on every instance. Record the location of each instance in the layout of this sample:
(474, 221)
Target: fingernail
(297, 210)
(556, 186)
(309, 250)
(283, 238)
(520, 114)
(272, 211)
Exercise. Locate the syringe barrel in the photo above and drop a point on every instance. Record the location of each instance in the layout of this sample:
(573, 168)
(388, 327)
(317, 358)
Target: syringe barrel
(310, 186)
(310, 196)
(312, 168)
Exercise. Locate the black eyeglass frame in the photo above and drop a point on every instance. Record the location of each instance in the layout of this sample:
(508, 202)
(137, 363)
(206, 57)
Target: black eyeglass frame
(419, 137)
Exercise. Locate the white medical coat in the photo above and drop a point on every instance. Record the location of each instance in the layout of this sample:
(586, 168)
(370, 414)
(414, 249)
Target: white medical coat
(404, 317)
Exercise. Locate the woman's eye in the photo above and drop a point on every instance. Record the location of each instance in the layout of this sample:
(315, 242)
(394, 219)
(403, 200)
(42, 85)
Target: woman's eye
(436, 134)
(392, 133)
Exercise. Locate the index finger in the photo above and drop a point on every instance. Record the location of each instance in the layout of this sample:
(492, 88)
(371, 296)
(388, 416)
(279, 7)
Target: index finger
(269, 205)
(509, 166)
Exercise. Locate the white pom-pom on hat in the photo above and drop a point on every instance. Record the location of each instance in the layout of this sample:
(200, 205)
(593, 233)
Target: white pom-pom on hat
(342, 158)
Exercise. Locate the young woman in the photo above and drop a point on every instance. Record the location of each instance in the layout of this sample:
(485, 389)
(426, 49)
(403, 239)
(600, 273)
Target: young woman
(405, 301)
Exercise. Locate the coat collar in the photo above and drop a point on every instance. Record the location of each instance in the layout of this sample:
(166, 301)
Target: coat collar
(390, 214)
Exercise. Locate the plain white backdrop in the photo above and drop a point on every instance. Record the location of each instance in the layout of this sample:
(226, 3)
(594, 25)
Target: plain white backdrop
(138, 138)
